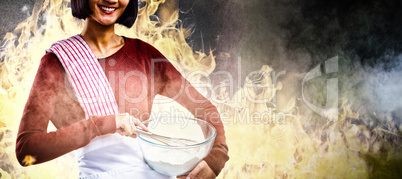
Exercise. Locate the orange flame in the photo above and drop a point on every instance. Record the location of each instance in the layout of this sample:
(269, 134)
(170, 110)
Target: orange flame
(29, 160)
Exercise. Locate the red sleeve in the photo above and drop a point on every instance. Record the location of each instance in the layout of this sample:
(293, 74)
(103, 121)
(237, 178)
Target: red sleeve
(33, 138)
(179, 89)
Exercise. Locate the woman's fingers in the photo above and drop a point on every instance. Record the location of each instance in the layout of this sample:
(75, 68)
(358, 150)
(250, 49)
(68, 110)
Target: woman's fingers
(202, 170)
(126, 125)
(134, 126)
(139, 123)
(127, 128)
(196, 170)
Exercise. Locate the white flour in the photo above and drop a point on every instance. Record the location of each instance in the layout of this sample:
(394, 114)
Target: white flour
(176, 161)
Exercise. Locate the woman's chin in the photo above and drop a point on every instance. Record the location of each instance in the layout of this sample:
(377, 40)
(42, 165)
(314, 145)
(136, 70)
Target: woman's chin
(103, 21)
(107, 22)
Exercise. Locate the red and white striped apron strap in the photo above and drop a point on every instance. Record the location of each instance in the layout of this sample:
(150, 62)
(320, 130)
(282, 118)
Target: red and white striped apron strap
(86, 76)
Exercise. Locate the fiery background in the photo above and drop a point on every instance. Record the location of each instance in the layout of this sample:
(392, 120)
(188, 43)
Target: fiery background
(268, 47)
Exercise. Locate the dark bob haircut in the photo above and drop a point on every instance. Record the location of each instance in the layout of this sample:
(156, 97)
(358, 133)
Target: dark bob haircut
(81, 10)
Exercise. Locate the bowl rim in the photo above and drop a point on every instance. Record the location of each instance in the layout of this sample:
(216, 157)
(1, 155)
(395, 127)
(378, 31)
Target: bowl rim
(186, 146)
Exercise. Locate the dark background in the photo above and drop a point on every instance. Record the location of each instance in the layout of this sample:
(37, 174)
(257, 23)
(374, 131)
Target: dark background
(12, 12)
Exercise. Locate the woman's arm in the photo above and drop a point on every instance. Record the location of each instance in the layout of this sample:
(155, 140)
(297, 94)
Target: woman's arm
(33, 138)
(178, 88)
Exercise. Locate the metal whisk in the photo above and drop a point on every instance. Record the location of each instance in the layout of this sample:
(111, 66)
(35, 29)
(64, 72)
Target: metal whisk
(170, 141)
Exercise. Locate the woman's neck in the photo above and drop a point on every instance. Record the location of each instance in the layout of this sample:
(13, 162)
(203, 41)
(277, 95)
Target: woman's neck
(101, 39)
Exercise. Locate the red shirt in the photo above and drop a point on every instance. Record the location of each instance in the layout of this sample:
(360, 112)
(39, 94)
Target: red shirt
(136, 73)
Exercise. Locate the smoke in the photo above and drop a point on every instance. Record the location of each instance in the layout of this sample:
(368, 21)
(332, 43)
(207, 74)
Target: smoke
(385, 88)
(366, 35)
(297, 35)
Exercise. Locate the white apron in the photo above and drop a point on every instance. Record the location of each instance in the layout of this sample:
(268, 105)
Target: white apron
(114, 156)
(107, 156)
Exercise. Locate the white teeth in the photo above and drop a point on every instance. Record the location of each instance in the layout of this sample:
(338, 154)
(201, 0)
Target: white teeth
(109, 9)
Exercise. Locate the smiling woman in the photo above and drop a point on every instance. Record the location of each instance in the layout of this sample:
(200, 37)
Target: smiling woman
(96, 112)
(82, 9)
(106, 12)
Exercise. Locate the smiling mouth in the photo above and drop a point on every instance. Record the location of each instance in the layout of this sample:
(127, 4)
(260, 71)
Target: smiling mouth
(107, 9)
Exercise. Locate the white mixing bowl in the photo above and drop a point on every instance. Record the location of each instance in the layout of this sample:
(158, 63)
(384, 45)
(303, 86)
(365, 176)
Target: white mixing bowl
(177, 160)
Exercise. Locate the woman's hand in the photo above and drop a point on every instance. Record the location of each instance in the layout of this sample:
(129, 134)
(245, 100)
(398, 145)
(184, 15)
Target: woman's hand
(202, 170)
(126, 124)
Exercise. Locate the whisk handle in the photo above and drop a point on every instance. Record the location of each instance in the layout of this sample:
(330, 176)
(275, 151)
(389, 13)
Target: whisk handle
(142, 132)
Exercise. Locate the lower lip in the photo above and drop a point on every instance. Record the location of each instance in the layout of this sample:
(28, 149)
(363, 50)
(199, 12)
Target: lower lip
(107, 12)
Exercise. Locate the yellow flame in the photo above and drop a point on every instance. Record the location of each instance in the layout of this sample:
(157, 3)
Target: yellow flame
(29, 160)
(2, 124)
(278, 146)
